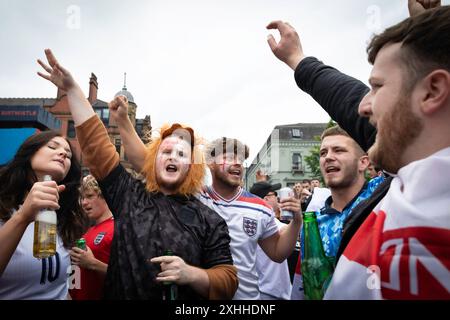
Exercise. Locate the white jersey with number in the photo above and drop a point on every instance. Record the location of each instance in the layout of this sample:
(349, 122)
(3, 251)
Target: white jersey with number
(249, 219)
(29, 278)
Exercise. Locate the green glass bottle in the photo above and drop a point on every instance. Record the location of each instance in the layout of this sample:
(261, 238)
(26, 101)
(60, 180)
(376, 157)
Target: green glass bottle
(316, 267)
(170, 289)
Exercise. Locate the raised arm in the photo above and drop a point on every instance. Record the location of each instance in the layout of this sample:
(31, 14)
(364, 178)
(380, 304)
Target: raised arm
(99, 153)
(416, 7)
(80, 108)
(338, 94)
(133, 145)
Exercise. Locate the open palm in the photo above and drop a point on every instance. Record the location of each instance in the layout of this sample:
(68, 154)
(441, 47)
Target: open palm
(56, 73)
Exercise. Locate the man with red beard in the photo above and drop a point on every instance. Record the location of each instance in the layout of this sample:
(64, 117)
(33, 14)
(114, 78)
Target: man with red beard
(396, 245)
(250, 219)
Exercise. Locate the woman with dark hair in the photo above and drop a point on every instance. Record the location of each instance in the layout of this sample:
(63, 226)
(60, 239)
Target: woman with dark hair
(23, 194)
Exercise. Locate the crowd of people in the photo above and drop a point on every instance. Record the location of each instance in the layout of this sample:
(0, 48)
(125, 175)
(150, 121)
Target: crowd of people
(376, 220)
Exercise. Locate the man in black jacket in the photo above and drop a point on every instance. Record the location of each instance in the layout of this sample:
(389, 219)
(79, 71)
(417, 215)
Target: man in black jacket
(409, 104)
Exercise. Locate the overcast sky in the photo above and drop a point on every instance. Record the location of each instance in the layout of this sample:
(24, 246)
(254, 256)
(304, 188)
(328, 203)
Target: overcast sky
(202, 63)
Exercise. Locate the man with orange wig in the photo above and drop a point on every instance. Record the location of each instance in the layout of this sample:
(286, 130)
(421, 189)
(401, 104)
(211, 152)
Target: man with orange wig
(162, 215)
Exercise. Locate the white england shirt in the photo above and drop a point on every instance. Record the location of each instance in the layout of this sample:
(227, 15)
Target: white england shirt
(249, 220)
(28, 278)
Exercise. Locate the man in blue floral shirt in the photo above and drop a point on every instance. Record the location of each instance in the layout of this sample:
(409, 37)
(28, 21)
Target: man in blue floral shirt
(343, 164)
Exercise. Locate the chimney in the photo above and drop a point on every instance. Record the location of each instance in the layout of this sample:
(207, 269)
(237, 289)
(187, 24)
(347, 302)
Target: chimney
(93, 87)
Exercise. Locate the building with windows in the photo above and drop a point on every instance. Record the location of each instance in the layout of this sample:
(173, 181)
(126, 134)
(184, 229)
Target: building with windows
(60, 119)
(282, 157)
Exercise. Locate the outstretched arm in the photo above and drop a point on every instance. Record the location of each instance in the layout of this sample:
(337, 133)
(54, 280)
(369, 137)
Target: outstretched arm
(134, 147)
(80, 108)
(338, 94)
(98, 151)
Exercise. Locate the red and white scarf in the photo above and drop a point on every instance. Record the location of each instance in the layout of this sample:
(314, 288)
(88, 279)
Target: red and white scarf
(402, 250)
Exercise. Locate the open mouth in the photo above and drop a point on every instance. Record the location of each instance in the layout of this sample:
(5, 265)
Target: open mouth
(87, 209)
(236, 173)
(331, 169)
(171, 168)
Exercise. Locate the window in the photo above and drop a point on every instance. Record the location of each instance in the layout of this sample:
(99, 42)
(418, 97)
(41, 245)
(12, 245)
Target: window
(296, 133)
(103, 114)
(117, 144)
(70, 129)
(297, 162)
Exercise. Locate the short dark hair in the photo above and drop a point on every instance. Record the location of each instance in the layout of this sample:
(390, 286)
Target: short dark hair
(226, 145)
(338, 131)
(425, 43)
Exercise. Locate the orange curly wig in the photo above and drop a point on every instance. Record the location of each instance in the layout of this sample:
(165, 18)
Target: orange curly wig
(194, 180)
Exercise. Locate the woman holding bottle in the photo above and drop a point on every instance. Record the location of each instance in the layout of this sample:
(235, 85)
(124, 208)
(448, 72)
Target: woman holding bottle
(23, 194)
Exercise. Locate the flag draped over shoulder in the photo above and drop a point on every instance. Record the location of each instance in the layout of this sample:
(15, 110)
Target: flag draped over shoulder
(402, 250)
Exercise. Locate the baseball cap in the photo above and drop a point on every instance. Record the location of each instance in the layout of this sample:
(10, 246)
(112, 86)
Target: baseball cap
(262, 188)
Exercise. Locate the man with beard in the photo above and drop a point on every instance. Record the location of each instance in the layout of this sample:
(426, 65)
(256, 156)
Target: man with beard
(402, 224)
(342, 164)
(250, 219)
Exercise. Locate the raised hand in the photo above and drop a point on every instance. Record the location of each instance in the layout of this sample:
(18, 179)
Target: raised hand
(289, 48)
(260, 176)
(118, 109)
(59, 76)
(416, 7)
(294, 205)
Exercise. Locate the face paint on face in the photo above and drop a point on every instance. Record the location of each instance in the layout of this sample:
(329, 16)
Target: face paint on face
(173, 161)
(228, 169)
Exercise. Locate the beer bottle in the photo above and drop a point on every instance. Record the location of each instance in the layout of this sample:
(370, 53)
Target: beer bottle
(170, 289)
(316, 267)
(44, 244)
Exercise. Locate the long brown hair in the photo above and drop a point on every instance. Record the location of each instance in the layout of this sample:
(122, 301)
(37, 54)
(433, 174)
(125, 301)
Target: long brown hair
(17, 178)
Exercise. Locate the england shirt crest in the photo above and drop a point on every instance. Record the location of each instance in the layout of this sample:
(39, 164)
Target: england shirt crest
(99, 238)
(250, 226)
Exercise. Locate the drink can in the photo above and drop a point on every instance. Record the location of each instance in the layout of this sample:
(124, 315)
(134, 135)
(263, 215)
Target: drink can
(81, 243)
(282, 194)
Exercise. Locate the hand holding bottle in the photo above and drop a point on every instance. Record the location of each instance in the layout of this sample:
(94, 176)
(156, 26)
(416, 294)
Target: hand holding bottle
(41, 196)
(173, 269)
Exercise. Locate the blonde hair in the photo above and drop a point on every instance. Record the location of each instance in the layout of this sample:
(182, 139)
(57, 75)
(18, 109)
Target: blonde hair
(196, 174)
(90, 184)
